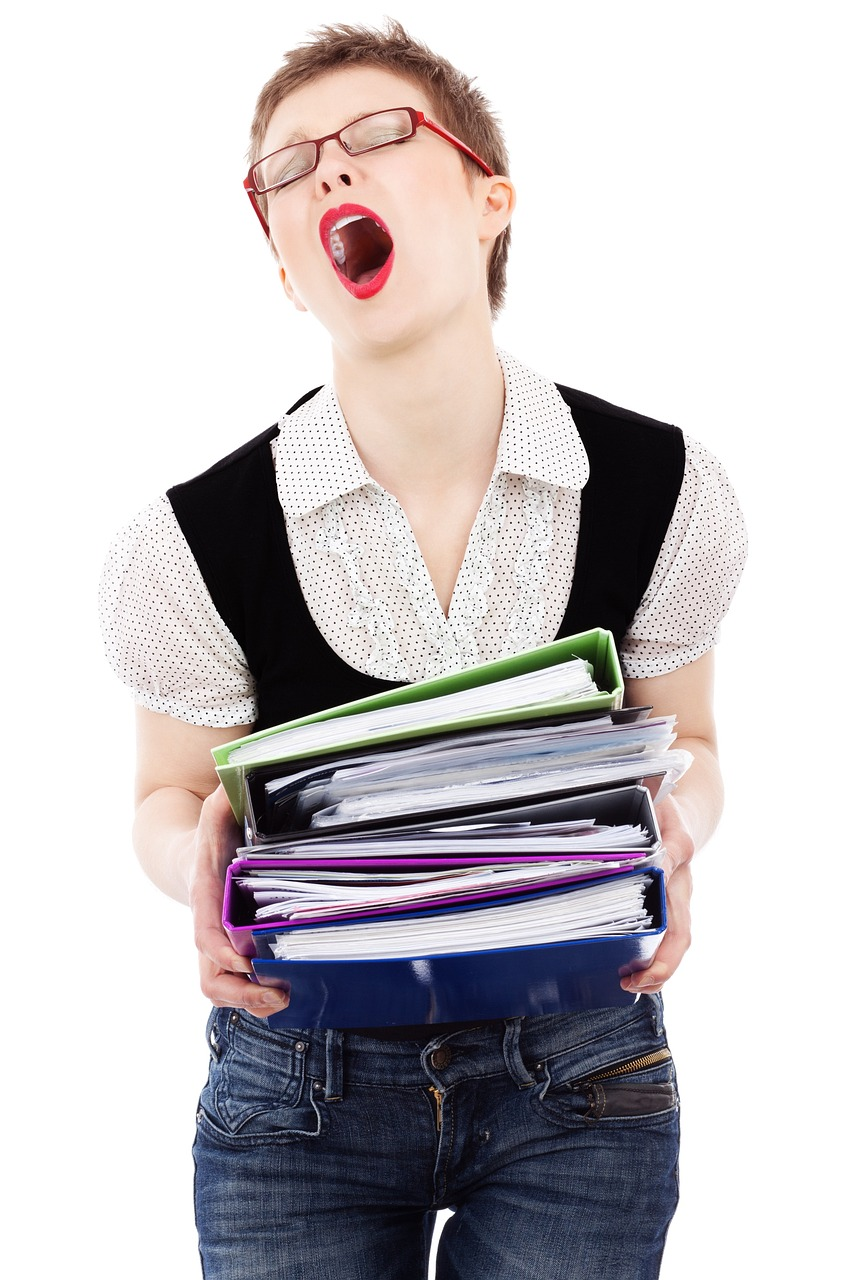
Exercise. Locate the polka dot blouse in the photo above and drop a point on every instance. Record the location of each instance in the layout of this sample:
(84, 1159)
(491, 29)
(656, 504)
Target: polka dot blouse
(366, 584)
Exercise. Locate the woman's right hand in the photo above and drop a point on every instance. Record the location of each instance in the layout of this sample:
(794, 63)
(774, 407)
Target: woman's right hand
(225, 974)
(185, 836)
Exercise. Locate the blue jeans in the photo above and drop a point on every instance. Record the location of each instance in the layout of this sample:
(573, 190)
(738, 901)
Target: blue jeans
(324, 1155)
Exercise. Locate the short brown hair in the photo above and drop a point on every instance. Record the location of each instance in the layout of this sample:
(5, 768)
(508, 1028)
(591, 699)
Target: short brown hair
(454, 99)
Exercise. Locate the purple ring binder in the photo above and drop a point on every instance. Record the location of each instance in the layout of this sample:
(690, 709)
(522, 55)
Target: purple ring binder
(467, 987)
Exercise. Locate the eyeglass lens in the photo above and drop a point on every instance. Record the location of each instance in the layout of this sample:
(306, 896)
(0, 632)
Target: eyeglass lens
(377, 130)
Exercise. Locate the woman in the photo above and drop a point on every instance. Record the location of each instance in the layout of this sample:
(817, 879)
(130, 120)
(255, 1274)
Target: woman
(429, 509)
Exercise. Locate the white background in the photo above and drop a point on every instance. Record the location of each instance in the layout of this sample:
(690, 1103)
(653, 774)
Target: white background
(680, 247)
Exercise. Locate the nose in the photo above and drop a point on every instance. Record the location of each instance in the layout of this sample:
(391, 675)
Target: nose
(331, 170)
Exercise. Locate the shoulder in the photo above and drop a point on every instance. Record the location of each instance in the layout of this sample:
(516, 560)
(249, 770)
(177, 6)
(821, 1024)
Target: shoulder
(587, 403)
(240, 461)
(152, 532)
(226, 469)
(709, 497)
(596, 418)
(629, 452)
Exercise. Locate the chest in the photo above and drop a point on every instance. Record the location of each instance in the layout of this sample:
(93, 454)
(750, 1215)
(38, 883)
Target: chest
(443, 526)
(287, 599)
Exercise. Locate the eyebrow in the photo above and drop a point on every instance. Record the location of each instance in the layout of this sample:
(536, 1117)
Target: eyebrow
(300, 135)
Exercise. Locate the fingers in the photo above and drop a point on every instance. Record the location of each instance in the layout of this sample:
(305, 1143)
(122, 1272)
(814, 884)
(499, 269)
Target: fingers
(675, 863)
(224, 973)
(234, 991)
(212, 943)
(676, 941)
(651, 980)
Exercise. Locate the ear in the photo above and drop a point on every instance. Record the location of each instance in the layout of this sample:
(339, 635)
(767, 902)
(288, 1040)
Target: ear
(290, 291)
(498, 206)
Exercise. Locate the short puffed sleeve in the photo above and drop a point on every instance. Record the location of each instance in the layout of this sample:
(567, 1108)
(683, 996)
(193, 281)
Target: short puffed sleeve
(163, 635)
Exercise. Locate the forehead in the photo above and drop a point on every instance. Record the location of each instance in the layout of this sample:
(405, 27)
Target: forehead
(334, 99)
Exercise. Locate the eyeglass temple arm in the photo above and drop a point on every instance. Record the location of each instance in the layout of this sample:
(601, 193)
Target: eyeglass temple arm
(250, 192)
(457, 142)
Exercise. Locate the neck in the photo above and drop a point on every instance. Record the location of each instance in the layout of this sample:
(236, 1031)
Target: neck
(425, 414)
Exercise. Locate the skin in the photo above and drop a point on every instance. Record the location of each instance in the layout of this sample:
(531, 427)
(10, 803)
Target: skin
(420, 386)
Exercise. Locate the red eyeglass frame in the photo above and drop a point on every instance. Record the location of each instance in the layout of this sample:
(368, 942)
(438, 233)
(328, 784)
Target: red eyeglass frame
(417, 118)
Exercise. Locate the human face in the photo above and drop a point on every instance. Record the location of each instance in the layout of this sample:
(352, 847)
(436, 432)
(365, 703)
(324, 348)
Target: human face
(367, 133)
(374, 242)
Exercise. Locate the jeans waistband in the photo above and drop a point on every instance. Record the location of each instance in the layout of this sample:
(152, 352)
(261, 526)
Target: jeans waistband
(518, 1047)
(335, 1056)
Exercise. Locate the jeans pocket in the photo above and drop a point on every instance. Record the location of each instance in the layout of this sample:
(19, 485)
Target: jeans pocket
(257, 1088)
(638, 1090)
(610, 1067)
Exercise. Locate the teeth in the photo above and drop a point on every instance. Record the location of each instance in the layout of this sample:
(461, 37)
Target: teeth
(344, 222)
(336, 245)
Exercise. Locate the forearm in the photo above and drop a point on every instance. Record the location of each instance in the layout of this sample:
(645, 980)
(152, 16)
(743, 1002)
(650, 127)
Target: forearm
(699, 795)
(164, 834)
(688, 815)
(175, 778)
(185, 835)
(694, 807)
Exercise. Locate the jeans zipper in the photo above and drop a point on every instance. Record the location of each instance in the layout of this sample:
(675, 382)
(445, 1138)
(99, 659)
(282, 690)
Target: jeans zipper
(439, 1101)
(625, 1068)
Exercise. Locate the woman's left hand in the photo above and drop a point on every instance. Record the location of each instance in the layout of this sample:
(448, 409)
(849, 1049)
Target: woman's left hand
(678, 852)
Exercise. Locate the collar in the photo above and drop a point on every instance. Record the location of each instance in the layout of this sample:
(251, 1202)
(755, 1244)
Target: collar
(538, 439)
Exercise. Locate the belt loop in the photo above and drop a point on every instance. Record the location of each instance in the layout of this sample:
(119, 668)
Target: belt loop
(334, 1065)
(656, 1001)
(512, 1054)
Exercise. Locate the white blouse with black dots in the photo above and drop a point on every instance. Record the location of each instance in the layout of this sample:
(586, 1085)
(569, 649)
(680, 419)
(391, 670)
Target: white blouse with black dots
(366, 584)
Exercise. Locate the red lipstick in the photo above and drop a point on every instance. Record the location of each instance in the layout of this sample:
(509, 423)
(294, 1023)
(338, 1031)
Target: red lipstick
(359, 247)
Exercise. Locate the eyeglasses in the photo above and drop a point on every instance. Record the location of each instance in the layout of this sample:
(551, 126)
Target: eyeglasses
(379, 129)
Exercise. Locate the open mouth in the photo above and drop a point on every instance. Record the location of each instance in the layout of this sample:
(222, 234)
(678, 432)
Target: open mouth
(360, 248)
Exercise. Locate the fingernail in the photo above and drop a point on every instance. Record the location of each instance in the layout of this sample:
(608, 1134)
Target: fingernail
(275, 997)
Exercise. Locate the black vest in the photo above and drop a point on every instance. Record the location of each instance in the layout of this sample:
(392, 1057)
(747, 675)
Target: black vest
(232, 520)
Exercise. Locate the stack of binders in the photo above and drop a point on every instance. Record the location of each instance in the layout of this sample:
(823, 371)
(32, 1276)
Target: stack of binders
(483, 845)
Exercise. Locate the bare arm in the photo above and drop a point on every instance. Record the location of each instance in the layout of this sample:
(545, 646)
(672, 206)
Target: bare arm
(689, 816)
(185, 836)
